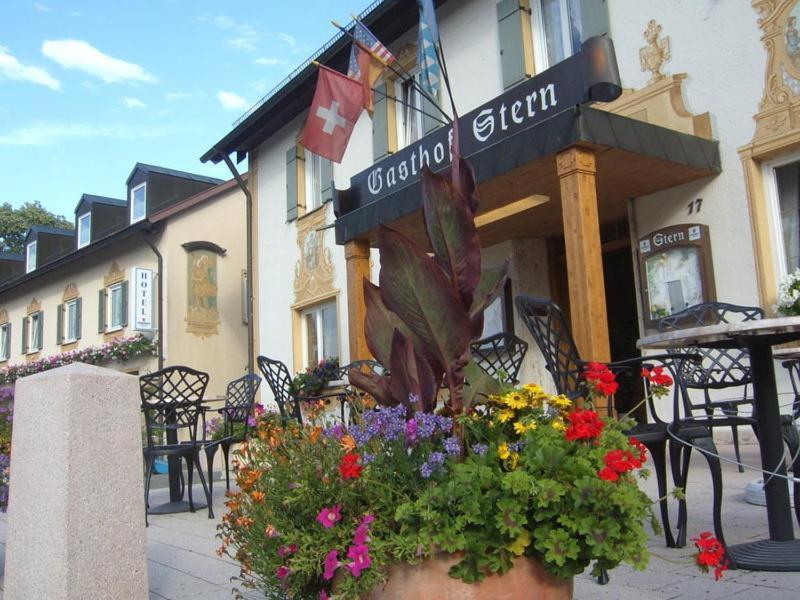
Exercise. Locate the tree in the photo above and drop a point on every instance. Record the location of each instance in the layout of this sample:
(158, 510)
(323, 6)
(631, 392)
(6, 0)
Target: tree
(15, 222)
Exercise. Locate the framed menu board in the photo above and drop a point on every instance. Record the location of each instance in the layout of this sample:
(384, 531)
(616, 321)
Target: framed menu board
(675, 270)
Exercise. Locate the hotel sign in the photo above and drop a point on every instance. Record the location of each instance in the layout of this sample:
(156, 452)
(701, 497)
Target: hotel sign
(142, 299)
(588, 75)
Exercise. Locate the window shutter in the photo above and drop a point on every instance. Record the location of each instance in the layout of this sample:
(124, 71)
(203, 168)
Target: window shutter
(59, 324)
(24, 335)
(124, 303)
(428, 122)
(101, 311)
(512, 49)
(594, 19)
(380, 123)
(291, 184)
(78, 317)
(8, 341)
(326, 180)
(40, 328)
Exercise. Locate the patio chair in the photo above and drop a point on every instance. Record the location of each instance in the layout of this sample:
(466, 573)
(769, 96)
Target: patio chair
(366, 366)
(548, 326)
(239, 399)
(172, 405)
(501, 353)
(280, 383)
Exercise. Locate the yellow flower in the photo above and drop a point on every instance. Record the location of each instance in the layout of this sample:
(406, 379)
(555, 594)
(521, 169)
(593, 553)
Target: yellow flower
(515, 400)
(520, 427)
(513, 460)
(505, 415)
(561, 402)
(558, 424)
(503, 452)
(518, 545)
(531, 388)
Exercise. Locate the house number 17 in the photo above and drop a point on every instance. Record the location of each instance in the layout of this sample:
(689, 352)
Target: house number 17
(694, 205)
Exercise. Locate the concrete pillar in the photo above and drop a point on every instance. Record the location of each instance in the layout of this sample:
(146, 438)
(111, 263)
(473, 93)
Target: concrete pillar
(76, 525)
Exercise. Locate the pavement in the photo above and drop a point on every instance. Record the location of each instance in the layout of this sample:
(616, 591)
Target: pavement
(183, 563)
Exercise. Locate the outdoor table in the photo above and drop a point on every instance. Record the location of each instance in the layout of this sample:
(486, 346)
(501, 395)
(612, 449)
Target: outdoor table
(781, 552)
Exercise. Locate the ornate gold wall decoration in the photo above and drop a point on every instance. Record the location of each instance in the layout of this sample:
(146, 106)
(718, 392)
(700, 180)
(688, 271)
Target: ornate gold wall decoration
(34, 307)
(202, 310)
(70, 292)
(655, 53)
(313, 273)
(115, 275)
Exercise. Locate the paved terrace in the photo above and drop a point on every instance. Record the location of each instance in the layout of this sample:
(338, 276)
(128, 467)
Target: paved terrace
(183, 563)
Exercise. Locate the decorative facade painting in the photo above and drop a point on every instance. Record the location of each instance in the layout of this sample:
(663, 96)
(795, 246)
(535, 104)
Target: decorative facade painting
(202, 312)
(313, 273)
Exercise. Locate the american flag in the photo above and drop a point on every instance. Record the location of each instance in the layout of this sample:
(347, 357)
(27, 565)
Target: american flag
(365, 38)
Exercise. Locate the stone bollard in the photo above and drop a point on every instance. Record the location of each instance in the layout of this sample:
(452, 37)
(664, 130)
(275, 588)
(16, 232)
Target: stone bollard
(76, 508)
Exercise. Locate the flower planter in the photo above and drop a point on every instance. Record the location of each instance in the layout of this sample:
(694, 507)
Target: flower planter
(429, 579)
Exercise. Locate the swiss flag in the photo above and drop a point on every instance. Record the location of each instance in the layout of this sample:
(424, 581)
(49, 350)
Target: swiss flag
(338, 101)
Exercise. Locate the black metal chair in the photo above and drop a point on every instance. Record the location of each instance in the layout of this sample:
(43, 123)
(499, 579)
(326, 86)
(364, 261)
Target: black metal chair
(280, 383)
(172, 406)
(500, 354)
(366, 366)
(548, 326)
(792, 365)
(239, 399)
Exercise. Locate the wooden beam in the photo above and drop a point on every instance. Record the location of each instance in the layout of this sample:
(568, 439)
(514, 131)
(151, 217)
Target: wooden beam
(356, 255)
(587, 298)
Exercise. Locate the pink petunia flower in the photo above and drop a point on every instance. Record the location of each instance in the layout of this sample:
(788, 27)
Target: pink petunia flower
(285, 551)
(330, 565)
(328, 517)
(283, 572)
(361, 535)
(361, 559)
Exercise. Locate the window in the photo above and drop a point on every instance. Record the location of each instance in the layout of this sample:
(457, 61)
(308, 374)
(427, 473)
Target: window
(117, 307)
(84, 229)
(556, 31)
(5, 341)
(313, 180)
(409, 117)
(320, 333)
(34, 332)
(70, 325)
(30, 260)
(784, 178)
(138, 202)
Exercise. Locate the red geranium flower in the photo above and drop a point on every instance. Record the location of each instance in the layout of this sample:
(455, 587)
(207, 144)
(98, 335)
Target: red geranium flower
(608, 474)
(583, 425)
(349, 467)
(600, 378)
(710, 554)
(657, 377)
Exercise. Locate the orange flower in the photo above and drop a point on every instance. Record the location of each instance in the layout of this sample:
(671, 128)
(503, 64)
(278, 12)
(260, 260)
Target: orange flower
(314, 435)
(348, 443)
(245, 522)
(258, 496)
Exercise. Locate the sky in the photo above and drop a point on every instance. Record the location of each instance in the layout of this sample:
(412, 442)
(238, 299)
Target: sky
(88, 88)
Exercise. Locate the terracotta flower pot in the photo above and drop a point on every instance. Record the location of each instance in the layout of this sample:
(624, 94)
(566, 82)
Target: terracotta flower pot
(429, 581)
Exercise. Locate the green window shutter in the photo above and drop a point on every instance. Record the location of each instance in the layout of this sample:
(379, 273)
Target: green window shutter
(24, 335)
(78, 317)
(59, 324)
(101, 311)
(326, 180)
(291, 183)
(594, 19)
(8, 340)
(124, 303)
(512, 49)
(40, 327)
(380, 123)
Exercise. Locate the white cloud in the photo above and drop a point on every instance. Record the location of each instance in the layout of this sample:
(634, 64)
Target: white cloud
(41, 7)
(47, 134)
(133, 102)
(271, 61)
(231, 101)
(80, 55)
(176, 96)
(244, 36)
(287, 39)
(11, 68)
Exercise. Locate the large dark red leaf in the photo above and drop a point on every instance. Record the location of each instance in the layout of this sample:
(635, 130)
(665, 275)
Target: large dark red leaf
(412, 380)
(377, 386)
(416, 289)
(479, 384)
(490, 286)
(451, 231)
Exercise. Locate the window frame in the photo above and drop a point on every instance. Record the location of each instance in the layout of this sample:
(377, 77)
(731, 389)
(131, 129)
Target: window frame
(317, 310)
(111, 327)
(312, 166)
(541, 58)
(33, 321)
(84, 242)
(141, 186)
(65, 331)
(400, 107)
(31, 245)
(772, 197)
(5, 341)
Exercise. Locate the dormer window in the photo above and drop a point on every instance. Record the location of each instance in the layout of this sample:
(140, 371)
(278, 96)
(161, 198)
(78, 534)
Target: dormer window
(138, 202)
(30, 257)
(84, 229)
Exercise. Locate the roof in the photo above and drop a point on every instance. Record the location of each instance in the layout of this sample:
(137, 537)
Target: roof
(49, 230)
(101, 200)
(172, 173)
(191, 201)
(11, 256)
(387, 19)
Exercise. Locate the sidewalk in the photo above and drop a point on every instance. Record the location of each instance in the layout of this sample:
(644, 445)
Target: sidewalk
(183, 563)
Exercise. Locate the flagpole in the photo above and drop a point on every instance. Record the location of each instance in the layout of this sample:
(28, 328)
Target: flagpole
(406, 78)
(409, 105)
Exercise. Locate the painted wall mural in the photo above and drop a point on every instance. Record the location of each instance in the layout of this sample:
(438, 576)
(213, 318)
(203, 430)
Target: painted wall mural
(202, 310)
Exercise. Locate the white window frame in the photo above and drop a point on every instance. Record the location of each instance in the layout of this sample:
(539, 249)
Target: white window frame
(110, 307)
(134, 217)
(66, 338)
(541, 59)
(5, 348)
(81, 240)
(33, 320)
(400, 113)
(30, 251)
(312, 177)
(316, 310)
(774, 210)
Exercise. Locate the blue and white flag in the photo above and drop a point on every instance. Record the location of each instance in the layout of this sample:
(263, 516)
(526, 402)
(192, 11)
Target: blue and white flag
(430, 70)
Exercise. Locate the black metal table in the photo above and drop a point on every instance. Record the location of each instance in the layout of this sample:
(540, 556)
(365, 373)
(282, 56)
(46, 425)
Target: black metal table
(781, 551)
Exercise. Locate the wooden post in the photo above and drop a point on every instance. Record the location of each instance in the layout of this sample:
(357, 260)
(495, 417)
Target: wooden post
(587, 296)
(356, 255)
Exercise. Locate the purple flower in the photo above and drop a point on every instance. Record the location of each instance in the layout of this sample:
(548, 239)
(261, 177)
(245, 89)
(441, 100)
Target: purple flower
(452, 446)
(436, 458)
(426, 470)
(330, 565)
(283, 572)
(411, 431)
(480, 449)
(361, 535)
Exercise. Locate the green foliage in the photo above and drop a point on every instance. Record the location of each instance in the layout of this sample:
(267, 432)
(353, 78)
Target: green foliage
(15, 222)
(312, 381)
